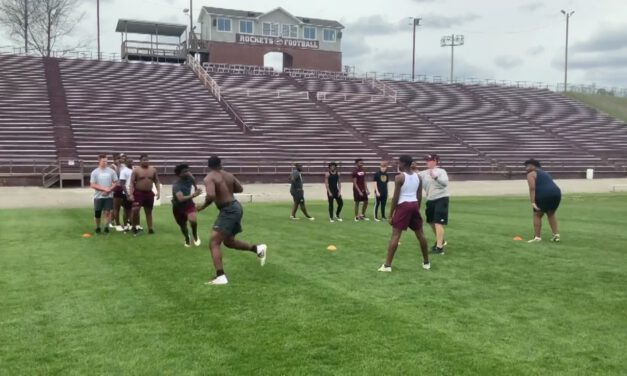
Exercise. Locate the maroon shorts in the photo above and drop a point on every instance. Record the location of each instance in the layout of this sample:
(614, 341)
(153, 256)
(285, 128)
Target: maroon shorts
(407, 215)
(118, 192)
(181, 211)
(360, 198)
(145, 199)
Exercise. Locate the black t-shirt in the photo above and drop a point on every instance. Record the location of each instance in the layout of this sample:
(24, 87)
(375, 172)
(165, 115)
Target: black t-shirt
(183, 186)
(382, 181)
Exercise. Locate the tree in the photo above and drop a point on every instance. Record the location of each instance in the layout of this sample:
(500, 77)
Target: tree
(14, 16)
(45, 22)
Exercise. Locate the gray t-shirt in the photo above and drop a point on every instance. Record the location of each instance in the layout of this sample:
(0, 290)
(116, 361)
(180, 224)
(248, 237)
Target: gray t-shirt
(435, 188)
(104, 177)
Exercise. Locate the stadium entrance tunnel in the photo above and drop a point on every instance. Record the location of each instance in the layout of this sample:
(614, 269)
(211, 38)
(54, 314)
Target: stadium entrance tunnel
(278, 60)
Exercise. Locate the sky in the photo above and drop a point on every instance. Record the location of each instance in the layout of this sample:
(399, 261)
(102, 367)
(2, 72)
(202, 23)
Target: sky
(514, 40)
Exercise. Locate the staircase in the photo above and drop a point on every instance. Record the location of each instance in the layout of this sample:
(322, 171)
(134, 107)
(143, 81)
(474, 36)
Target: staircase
(61, 122)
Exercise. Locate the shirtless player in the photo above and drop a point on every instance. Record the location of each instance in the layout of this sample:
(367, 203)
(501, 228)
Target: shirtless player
(220, 186)
(141, 193)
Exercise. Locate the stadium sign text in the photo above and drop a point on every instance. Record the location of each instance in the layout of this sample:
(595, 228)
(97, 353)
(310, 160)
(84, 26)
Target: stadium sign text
(277, 42)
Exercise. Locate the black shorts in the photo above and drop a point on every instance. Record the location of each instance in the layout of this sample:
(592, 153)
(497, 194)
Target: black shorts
(298, 196)
(103, 204)
(548, 204)
(229, 220)
(437, 211)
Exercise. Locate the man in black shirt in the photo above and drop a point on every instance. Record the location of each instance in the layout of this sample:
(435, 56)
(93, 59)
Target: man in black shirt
(334, 191)
(297, 192)
(183, 206)
(381, 178)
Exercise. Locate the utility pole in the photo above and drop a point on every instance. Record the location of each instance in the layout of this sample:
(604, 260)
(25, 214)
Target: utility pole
(98, 25)
(415, 23)
(25, 26)
(452, 41)
(567, 14)
(191, 17)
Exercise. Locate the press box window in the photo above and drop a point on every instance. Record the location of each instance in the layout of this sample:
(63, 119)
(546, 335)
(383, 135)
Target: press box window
(309, 33)
(329, 35)
(246, 27)
(224, 24)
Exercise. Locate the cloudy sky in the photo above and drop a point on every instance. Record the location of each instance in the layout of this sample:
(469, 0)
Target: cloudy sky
(516, 40)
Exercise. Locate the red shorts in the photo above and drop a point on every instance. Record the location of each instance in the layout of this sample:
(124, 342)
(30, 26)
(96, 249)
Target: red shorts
(145, 199)
(407, 215)
(360, 198)
(181, 211)
(118, 192)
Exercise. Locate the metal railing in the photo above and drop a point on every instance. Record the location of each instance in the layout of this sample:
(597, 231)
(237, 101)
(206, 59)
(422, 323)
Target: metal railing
(327, 95)
(206, 79)
(276, 93)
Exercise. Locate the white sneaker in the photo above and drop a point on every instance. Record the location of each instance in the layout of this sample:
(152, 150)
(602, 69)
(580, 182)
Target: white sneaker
(311, 218)
(197, 242)
(262, 252)
(221, 280)
(332, 220)
(535, 240)
(365, 219)
(426, 266)
(377, 220)
(556, 238)
(111, 225)
(294, 218)
(356, 219)
(140, 228)
(186, 245)
(338, 219)
(387, 269)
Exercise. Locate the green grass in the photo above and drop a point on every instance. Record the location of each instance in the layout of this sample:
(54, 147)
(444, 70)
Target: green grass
(614, 106)
(121, 305)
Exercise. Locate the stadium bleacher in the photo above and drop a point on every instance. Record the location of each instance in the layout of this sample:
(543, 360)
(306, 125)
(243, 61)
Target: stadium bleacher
(306, 116)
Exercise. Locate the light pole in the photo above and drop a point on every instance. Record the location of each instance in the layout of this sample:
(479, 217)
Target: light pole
(98, 25)
(415, 23)
(567, 14)
(26, 26)
(452, 41)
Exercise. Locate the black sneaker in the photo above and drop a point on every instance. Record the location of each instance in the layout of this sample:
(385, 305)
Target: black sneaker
(106, 230)
(97, 231)
(437, 251)
(151, 231)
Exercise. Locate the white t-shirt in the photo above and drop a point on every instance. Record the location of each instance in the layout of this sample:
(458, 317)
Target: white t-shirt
(125, 174)
(435, 188)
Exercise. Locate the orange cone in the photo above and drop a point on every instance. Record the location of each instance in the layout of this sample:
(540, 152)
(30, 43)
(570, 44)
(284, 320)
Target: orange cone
(86, 235)
(517, 238)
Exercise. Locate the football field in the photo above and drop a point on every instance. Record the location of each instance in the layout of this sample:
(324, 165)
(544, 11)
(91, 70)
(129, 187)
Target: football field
(118, 304)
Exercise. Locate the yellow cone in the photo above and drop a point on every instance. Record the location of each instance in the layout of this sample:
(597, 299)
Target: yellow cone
(86, 235)
(331, 248)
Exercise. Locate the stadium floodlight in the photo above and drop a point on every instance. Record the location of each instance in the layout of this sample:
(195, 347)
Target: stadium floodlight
(452, 41)
(568, 15)
(415, 23)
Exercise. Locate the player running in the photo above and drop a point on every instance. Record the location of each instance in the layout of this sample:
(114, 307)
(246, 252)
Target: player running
(435, 183)
(103, 180)
(381, 190)
(360, 190)
(297, 192)
(334, 192)
(545, 197)
(405, 212)
(183, 206)
(142, 180)
(220, 186)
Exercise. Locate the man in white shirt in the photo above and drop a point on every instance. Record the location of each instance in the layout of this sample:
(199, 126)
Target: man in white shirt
(126, 171)
(435, 183)
(103, 180)
(405, 212)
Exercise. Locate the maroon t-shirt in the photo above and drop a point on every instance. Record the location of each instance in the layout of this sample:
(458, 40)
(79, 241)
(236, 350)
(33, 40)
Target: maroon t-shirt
(361, 178)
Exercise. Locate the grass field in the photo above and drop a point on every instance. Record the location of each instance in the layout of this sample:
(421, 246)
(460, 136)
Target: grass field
(615, 106)
(121, 305)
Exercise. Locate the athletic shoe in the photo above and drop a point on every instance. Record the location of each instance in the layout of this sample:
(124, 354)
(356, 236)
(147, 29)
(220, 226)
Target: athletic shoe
(221, 280)
(151, 231)
(294, 218)
(438, 251)
(106, 230)
(365, 218)
(338, 219)
(98, 231)
(111, 225)
(262, 252)
(535, 240)
(311, 218)
(556, 238)
(387, 269)
(119, 228)
(332, 220)
(426, 266)
(377, 219)
(197, 242)
(357, 219)
(186, 244)
(140, 228)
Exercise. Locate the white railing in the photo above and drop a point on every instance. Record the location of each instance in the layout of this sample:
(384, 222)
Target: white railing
(319, 74)
(325, 96)
(254, 70)
(276, 93)
(205, 78)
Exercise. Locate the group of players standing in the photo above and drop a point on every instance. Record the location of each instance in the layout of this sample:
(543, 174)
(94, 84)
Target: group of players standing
(134, 190)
